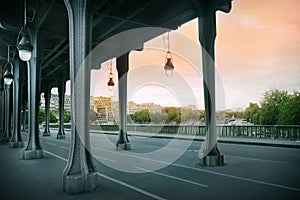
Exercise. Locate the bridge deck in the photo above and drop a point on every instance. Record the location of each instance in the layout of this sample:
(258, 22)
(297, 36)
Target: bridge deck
(251, 171)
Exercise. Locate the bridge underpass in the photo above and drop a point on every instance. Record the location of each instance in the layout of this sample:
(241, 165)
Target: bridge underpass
(57, 56)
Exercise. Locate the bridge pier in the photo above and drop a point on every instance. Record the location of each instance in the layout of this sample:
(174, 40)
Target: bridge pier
(80, 174)
(16, 140)
(7, 115)
(61, 95)
(47, 95)
(209, 153)
(33, 149)
(123, 67)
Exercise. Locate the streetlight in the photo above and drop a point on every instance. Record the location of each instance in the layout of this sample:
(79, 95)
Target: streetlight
(24, 46)
(8, 77)
(110, 82)
(169, 67)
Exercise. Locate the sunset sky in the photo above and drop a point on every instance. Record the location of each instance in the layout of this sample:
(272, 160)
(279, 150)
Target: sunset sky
(257, 49)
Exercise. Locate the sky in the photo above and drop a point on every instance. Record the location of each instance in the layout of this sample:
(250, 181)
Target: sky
(257, 48)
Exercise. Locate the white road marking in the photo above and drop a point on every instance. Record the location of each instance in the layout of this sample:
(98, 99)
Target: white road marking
(172, 177)
(117, 181)
(132, 187)
(50, 143)
(63, 147)
(103, 158)
(57, 156)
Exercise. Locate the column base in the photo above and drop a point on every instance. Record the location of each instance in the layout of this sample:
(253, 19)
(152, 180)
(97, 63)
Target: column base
(16, 144)
(46, 134)
(77, 183)
(123, 146)
(212, 160)
(60, 136)
(32, 154)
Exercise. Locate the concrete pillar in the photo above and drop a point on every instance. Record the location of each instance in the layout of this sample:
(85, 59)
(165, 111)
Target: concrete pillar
(122, 67)
(61, 93)
(209, 153)
(33, 149)
(80, 174)
(16, 140)
(47, 96)
(2, 102)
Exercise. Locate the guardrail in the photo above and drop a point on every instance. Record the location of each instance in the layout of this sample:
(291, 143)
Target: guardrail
(290, 132)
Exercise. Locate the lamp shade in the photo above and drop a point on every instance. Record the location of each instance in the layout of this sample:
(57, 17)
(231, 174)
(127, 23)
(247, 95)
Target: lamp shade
(25, 49)
(110, 84)
(169, 67)
(8, 77)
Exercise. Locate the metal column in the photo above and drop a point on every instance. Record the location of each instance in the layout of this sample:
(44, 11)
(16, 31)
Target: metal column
(61, 93)
(33, 148)
(47, 95)
(80, 174)
(16, 140)
(209, 153)
(7, 115)
(123, 67)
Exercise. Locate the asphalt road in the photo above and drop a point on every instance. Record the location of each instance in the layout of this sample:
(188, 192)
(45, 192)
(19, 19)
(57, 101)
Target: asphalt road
(158, 168)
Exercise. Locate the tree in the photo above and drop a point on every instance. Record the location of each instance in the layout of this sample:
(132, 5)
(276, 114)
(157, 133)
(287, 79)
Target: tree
(270, 106)
(41, 115)
(252, 113)
(289, 110)
(67, 116)
(174, 114)
(142, 116)
(53, 118)
(158, 118)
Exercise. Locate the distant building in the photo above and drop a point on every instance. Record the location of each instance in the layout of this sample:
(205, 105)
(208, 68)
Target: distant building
(152, 107)
(54, 102)
(104, 109)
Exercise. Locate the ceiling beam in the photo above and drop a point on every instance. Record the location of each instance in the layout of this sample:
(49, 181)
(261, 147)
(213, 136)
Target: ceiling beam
(43, 13)
(134, 14)
(54, 50)
(123, 19)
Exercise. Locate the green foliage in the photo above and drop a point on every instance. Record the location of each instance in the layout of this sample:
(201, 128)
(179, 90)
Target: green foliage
(289, 110)
(158, 118)
(141, 117)
(41, 115)
(270, 106)
(189, 115)
(252, 113)
(174, 114)
(53, 118)
(67, 116)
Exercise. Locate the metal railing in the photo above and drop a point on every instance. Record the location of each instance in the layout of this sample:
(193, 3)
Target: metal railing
(289, 132)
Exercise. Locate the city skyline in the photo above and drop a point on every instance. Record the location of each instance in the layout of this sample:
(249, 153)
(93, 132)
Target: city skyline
(256, 50)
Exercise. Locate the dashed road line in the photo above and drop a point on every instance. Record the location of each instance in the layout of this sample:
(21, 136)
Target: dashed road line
(172, 177)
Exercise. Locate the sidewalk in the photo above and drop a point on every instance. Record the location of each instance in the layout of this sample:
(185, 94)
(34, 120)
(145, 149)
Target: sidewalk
(233, 140)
